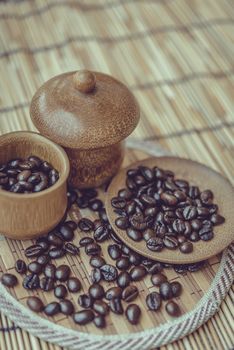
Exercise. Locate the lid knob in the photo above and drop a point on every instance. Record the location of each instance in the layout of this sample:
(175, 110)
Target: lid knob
(84, 81)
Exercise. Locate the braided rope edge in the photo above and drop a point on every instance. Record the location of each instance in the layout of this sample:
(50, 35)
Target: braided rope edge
(155, 337)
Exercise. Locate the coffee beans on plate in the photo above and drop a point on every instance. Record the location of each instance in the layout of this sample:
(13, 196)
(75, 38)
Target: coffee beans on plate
(27, 175)
(166, 212)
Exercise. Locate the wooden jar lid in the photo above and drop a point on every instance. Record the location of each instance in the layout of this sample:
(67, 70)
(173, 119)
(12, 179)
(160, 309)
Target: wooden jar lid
(84, 110)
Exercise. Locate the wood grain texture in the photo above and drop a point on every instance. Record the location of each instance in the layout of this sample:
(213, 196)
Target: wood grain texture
(25, 216)
(197, 175)
(176, 55)
(89, 113)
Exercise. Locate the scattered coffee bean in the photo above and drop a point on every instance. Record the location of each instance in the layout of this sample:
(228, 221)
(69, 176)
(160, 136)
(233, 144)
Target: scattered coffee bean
(66, 307)
(134, 234)
(71, 249)
(73, 284)
(31, 281)
(83, 317)
(55, 240)
(71, 224)
(35, 267)
(85, 241)
(137, 273)
(101, 233)
(165, 290)
(97, 261)
(62, 273)
(56, 253)
(49, 270)
(116, 306)
(52, 309)
(9, 280)
(114, 251)
(123, 279)
(109, 272)
(172, 308)
(133, 313)
(176, 289)
(153, 301)
(35, 304)
(155, 268)
(113, 293)
(20, 266)
(96, 275)
(85, 301)
(123, 263)
(85, 225)
(96, 291)
(158, 279)
(47, 284)
(66, 233)
(33, 251)
(99, 321)
(100, 307)
(92, 249)
(130, 293)
(122, 223)
(43, 259)
(60, 291)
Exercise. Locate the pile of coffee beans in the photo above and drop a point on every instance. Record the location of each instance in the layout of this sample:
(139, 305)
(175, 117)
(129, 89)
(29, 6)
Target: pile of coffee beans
(164, 211)
(27, 175)
(125, 269)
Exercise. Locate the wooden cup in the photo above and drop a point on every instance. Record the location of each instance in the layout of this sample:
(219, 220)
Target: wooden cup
(24, 216)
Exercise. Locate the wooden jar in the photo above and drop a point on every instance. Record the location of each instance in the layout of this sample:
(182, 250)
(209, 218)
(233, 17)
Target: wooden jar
(89, 114)
(24, 216)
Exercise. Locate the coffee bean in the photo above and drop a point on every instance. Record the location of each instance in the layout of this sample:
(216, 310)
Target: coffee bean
(66, 232)
(124, 279)
(96, 275)
(52, 309)
(178, 226)
(203, 213)
(54, 239)
(122, 223)
(62, 273)
(85, 241)
(123, 263)
(137, 273)
(116, 306)
(172, 309)
(158, 279)
(47, 284)
(95, 204)
(85, 225)
(168, 199)
(176, 288)
(155, 268)
(194, 237)
(49, 270)
(190, 212)
(83, 317)
(99, 321)
(35, 304)
(20, 266)
(206, 236)
(35, 267)
(170, 242)
(97, 261)
(9, 280)
(100, 307)
(133, 313)
(134, 234)
(217, 219)
(153, 301)
(96, 291)
(135, 258)
(114, 292)
(73, 285)
(31, 281)
(155, 244)
(118, 203)
(33, 251)
(125, 249)
(85, 301)
(101, 233)
(206, 197)
(148, 233)
(56, 253)
(71, 249)
(115, 237)
(60, 291)
(125, 193)
(66, 307)
(82, 202)
(114, 251)
(109, 272)
(196, 224)
(165, 290)
(130, 293)
(138, 222)
(92, 249)
(186, 247)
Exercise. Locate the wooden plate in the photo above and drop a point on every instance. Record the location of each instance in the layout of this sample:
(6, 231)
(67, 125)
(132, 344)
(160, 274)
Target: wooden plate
(199, 175)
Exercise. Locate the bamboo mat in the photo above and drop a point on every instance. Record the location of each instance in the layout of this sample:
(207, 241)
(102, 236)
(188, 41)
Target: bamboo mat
(176, 56)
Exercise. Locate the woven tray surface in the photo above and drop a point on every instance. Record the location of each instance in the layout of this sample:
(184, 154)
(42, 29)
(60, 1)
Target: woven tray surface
(176, 57)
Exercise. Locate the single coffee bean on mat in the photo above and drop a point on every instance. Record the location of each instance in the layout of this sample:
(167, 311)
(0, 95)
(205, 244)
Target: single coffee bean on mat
(173, 309)
(99, 321)
(153, 301)
(20, 266)
(66, 307)
(133, 313)
(83, 317)
(9, 280)
(35, 304)
(73, 284)
(52, 309)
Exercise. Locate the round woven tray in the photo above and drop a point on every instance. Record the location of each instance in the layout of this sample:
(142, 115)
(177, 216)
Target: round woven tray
(200, 299)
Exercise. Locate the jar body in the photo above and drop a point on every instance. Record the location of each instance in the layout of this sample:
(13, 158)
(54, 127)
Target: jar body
(94, 167)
